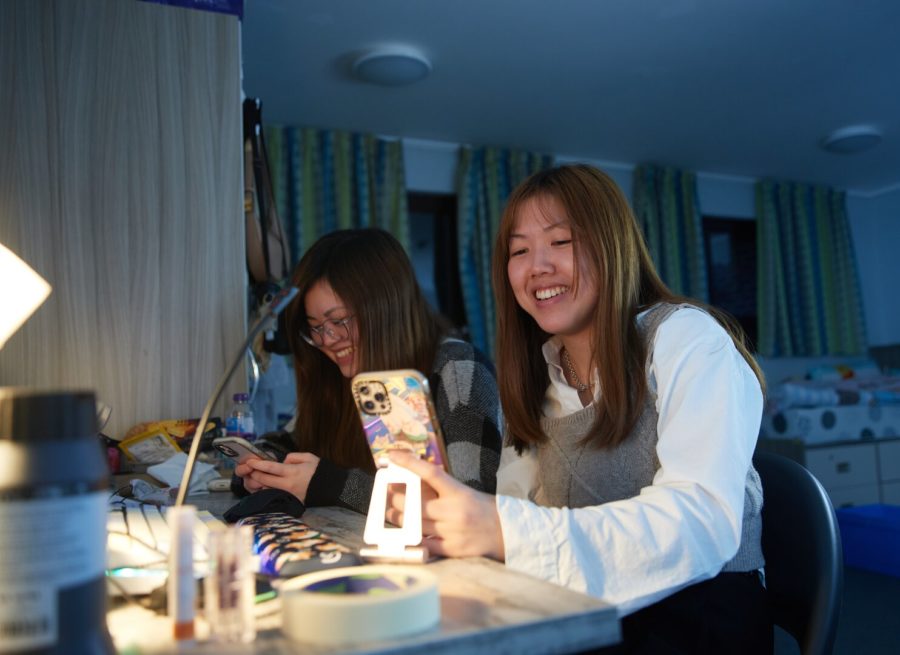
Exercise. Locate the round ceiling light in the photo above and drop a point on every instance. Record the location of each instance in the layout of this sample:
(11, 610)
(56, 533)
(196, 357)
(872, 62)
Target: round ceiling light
(392, 66)
(851, 139)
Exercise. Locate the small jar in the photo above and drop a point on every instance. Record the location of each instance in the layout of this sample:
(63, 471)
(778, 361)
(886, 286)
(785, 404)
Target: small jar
(53, 507)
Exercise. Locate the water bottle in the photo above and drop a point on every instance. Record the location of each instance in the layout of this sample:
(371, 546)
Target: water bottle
(240, 420)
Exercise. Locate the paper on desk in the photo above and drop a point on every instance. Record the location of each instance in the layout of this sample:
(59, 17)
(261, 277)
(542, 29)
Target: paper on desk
(171, 471)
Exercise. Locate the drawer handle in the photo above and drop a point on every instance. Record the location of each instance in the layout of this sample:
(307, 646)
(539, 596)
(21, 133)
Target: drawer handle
(843, 467)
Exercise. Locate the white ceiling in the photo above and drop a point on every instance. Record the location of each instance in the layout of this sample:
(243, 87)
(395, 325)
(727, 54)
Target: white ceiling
(737, 87)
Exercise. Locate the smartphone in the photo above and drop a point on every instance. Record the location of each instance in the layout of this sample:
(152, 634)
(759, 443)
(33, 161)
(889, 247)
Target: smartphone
(397, 412)
(239, 449)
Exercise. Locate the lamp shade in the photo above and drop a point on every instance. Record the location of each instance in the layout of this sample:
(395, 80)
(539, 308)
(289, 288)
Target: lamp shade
(21, 293)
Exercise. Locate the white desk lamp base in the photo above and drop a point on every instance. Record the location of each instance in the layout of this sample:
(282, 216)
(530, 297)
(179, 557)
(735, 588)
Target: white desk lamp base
(393, 544)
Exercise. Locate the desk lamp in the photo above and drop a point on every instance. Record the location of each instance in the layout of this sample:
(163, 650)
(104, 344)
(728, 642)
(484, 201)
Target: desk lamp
(53, 481)
(22, 292)
(181, 588)
(269, 315)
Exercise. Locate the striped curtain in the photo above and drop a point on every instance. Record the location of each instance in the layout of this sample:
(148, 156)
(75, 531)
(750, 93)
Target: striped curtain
(485, 178)
(666, 207)
(329, 180)
(809, 301)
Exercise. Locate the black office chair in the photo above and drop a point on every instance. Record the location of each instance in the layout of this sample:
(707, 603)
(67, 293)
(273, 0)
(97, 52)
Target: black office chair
(802, 547)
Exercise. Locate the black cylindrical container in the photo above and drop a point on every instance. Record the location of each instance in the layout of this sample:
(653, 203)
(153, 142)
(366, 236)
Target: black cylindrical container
(53, 494)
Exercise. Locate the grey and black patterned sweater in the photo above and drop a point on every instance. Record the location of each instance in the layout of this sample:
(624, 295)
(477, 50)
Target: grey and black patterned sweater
(467, 404)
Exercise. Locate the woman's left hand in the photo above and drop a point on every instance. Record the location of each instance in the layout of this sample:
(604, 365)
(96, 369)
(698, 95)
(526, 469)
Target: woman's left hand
(457, 520)
(291, 475)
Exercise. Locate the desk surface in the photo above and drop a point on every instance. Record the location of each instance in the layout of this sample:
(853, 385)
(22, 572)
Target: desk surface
(485, 608)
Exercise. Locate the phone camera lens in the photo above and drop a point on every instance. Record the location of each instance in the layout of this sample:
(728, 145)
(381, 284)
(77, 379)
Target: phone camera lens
(368, 405)
(379, 397)
(364, 390)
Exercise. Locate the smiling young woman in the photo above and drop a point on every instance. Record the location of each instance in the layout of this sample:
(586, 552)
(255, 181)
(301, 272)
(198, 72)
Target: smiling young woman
(556, 292)
(360, 308)
(331, 328)
(631, 416)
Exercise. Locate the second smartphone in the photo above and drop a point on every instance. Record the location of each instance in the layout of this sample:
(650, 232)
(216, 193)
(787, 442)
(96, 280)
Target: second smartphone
(239, 449)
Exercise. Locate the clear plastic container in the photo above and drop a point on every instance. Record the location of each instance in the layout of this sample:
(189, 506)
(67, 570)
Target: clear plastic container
(240, 420)
(231, 585)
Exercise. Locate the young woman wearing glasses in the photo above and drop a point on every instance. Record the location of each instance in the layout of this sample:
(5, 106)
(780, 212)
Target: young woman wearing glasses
(361, 309)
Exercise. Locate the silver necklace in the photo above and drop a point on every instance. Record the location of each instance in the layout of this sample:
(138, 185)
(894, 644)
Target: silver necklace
(581, 386)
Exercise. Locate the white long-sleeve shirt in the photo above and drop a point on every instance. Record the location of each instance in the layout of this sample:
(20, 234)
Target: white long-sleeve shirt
(683, 527)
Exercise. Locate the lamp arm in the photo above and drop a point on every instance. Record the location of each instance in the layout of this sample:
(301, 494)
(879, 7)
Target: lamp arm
(279, 302)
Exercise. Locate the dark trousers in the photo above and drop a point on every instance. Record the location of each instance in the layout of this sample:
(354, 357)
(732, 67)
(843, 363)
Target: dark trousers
(727, 614)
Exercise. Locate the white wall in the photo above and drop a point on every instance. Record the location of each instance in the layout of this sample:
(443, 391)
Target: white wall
(431, 167)
(874, 222)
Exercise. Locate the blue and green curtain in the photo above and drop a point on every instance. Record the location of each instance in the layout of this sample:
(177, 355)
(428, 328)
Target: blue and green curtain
(667, 209)
(485, 178)
(809, 301)
(327, 180)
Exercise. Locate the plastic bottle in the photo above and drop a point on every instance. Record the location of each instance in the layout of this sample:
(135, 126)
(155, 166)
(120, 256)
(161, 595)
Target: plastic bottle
(240, 420)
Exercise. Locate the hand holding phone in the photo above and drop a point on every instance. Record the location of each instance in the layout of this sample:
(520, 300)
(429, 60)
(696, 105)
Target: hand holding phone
(239, 449)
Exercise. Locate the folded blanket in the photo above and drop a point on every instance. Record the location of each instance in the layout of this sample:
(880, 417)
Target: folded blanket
(882, 390)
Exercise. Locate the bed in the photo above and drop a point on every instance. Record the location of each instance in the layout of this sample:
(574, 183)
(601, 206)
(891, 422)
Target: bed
(837, 404)
(843, 424)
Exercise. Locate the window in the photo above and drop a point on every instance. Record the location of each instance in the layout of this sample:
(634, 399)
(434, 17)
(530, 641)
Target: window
(432, 234)
(730, 247)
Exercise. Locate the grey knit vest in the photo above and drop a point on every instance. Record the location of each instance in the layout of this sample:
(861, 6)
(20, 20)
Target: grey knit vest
(574, 474)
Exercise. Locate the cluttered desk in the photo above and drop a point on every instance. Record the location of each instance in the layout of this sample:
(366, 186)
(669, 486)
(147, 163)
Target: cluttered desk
(482, 606)
(63, 592)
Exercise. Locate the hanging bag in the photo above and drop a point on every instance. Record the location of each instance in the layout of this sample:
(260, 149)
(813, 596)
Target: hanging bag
(267, 248)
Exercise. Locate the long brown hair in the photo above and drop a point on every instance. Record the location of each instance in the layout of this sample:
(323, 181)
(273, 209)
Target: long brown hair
(606, 234)
(372, 275)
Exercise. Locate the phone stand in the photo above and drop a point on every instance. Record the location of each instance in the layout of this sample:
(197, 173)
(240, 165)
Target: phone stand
(394, 544)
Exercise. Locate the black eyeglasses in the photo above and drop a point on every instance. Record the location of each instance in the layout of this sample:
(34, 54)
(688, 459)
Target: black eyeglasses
(336, 328)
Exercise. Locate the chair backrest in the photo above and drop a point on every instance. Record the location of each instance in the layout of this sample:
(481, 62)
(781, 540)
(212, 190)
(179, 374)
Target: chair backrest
(802, 547)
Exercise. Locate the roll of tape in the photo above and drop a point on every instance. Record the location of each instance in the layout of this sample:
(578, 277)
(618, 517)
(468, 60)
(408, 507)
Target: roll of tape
(359, 603)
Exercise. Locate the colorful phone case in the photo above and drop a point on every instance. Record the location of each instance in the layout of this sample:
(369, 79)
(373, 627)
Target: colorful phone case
(397, 412)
